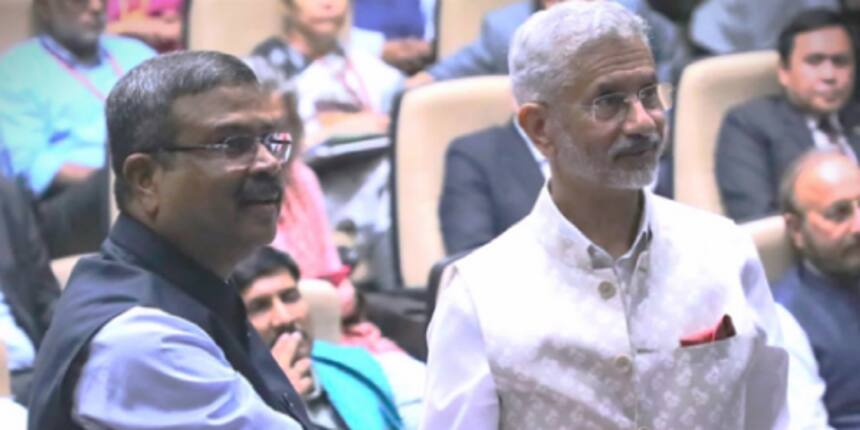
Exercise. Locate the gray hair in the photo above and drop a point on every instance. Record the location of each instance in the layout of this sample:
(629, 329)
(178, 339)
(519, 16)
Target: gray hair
(138, 109)
(543, 47)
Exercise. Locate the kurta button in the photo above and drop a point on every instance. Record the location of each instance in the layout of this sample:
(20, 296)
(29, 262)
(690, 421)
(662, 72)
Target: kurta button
(606, 290)
(623, 363)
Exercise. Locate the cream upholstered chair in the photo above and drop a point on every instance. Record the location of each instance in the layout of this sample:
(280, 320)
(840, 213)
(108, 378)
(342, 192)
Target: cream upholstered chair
(774, 247)
(324, 309)
(708, 89)
(15, 22)
(459, 22)
(233, 26)
(428, 119)
(5, 384)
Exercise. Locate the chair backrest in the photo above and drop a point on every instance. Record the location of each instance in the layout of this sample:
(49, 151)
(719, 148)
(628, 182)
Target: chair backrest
(324, 309)
(428, 119)
(233, 26)
(708, 89)
(15, 22)
(774, 247)
(5, 384)
(459, 22)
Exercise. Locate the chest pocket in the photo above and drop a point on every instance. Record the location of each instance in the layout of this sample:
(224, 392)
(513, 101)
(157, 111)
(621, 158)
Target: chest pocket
(704, 386)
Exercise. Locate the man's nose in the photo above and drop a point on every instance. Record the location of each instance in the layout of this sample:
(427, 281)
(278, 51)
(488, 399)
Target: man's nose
(855, 219)
(827, 71)
(281, 314)
(639, 120)
(265, 161)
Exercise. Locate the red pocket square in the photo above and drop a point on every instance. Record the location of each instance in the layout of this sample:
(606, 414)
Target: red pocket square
(723, 330)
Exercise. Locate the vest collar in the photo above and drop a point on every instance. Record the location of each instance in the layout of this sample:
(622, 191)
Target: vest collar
(162, 258)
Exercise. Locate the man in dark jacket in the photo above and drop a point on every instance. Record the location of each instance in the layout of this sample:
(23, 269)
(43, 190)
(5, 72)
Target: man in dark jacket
(149, 333)
(820, 196)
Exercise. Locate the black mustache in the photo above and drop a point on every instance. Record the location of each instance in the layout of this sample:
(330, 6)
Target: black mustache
(261, 188)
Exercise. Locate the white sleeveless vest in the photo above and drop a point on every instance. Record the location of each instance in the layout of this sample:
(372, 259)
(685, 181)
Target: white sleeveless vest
(574, 348)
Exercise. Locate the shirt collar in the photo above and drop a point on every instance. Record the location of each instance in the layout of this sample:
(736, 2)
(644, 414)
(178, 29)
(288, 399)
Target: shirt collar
(65, 55)
(159, 256)
(812, 122)
(563, 237)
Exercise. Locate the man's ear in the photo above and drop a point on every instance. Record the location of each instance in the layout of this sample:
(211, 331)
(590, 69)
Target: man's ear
(782, 73)
(142, 174)
(533, 118)
(794, 229)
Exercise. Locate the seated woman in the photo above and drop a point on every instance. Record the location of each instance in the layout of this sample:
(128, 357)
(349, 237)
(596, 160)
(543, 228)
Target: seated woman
(341, 91)
(158, 23)
(303, 231)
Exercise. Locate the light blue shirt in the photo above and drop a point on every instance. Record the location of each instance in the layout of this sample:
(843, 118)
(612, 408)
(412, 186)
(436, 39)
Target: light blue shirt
(147, 369)
(48, 117)
(19, 347)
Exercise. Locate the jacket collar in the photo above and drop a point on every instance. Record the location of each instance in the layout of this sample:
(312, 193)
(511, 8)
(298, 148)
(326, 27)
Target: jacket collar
(563, 238)
(159, 256)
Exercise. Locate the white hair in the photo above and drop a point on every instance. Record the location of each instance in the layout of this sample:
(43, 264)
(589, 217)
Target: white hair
(544, 46)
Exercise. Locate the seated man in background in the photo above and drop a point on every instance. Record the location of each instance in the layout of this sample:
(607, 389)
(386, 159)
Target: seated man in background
(820, 197)
(149, 333)
(759, 139)
(344, 387)
(488, 55)
(52, 92)
(492, 178)
(340, 90)
(28, 289)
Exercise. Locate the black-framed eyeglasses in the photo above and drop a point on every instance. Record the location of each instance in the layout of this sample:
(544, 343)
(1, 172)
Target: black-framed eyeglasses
(242, 149)
(615, 106)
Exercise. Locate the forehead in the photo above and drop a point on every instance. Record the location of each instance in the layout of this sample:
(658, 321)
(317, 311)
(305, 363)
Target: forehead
(612, 62)
(235, 106)
(828, 182)
(270, 285)
(830, 40)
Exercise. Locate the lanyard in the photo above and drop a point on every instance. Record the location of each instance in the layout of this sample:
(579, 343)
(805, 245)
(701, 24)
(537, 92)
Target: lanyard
(86, 82)
(363, 98)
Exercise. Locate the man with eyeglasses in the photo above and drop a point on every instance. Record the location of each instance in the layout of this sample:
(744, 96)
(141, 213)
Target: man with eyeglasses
(606, 307)
(820, 199)
(759, 139)
(150, 333)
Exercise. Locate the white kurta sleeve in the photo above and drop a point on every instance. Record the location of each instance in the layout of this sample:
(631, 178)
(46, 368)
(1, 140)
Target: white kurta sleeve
(773, 370)
(806, 388)
(460, 392)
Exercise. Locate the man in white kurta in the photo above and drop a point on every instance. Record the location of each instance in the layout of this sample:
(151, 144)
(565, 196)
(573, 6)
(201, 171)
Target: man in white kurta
(573, 318)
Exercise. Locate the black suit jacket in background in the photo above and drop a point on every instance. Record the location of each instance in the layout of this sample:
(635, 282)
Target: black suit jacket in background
(491, 181)
(29, 286)
(757, 142)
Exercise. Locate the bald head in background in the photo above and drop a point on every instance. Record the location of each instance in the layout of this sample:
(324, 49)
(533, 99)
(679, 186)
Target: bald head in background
(821, 195)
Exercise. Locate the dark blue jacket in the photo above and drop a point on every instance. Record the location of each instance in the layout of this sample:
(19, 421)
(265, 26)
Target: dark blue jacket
(829, 312)
(138, 268)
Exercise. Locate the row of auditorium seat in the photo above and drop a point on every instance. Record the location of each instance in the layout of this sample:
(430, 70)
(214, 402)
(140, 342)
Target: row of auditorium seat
(236, 26)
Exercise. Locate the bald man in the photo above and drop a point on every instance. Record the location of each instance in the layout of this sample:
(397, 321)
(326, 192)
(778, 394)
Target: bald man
(820, 197)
